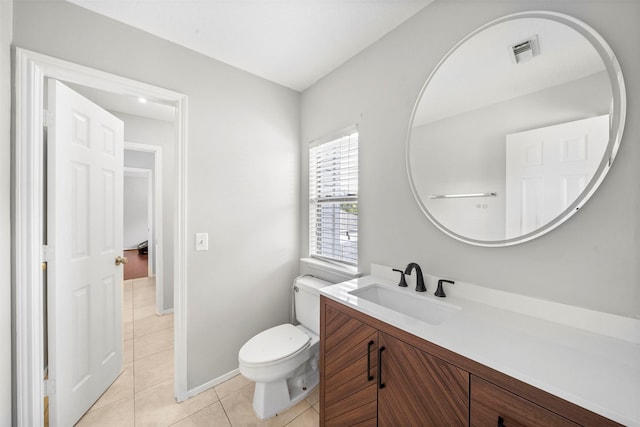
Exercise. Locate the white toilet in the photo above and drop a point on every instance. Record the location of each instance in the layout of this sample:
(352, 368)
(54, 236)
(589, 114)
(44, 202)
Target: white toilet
(283, 360)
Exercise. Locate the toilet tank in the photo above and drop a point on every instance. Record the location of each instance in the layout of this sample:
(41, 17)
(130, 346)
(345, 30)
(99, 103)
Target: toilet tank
(307, 301)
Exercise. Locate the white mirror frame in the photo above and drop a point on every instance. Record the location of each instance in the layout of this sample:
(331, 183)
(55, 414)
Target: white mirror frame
(617, 125)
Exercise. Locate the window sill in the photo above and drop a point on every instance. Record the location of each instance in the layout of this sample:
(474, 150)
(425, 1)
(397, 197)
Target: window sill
(346, 271)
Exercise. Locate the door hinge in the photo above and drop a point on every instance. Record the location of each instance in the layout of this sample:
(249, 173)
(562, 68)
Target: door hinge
(46, 253)
(47, 118)
(48, 387)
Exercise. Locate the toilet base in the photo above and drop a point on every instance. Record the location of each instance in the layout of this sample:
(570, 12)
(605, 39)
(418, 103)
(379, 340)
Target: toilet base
(270, 399)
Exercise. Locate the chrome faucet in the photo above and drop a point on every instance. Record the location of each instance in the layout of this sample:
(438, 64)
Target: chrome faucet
(419, 279)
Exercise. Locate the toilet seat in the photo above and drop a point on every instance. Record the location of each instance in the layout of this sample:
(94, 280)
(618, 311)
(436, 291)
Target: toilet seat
(274, 345)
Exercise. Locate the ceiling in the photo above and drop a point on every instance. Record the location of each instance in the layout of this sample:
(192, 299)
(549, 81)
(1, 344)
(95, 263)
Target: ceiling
(291, 42)
(126, 104)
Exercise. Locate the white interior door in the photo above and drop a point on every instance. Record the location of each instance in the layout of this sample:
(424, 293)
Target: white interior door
(84, 228)
(548, 168)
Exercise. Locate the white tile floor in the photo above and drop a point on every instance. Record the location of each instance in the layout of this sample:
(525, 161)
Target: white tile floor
(143, 394)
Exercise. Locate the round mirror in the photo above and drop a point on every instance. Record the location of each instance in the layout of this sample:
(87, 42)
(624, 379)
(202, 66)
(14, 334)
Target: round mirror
(515, 128)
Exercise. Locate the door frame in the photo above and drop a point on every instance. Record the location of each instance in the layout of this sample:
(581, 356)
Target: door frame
(31, 70)
(158, 249)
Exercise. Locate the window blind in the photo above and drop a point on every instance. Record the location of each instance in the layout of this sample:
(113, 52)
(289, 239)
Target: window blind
(333, 194)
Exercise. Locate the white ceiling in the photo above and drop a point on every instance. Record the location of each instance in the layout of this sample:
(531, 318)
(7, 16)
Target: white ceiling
(290, 42)
(126, 104)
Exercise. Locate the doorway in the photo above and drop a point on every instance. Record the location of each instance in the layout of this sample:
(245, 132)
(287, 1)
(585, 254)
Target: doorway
(145, 161)
(31, 71)
(139, 227)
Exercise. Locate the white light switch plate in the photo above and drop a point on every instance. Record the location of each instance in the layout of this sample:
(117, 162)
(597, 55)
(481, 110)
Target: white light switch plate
(202, 241)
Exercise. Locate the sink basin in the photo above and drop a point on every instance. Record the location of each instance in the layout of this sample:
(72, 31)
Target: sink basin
(408, 303)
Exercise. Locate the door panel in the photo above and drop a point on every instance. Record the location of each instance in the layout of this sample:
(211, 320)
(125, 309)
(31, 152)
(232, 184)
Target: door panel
(85, 162)
(349, 370)
(419, 389)
(548, 168)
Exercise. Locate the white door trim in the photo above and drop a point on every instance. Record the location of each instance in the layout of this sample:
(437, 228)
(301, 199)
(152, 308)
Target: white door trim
(158, 254)
(31, 69)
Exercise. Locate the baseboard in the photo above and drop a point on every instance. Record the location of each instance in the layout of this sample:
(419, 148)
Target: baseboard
(210, 384)
(167, 311)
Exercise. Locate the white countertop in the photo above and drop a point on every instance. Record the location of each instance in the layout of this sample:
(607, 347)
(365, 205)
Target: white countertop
(596, 371)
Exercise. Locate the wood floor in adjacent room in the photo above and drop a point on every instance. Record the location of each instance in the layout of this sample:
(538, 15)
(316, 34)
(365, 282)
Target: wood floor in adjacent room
(137, 265)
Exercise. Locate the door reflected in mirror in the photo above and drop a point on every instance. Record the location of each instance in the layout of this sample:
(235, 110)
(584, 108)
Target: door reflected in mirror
(515, 128)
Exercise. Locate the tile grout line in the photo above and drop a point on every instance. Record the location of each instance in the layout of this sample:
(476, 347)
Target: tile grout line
(135, 339)
(133, 352)
(222, 406)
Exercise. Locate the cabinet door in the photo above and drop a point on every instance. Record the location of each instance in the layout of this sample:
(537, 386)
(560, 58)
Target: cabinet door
(495, 406)
(417, 389)
(349, 371)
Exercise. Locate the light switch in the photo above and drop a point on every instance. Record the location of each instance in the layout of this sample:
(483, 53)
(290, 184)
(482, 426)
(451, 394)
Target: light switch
(202, 241)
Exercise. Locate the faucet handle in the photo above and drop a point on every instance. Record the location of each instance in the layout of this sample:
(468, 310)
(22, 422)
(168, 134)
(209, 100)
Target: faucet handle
(440, 291)
(403, 282)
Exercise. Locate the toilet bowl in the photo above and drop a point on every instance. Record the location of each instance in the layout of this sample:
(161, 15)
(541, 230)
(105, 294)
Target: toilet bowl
(283, 360)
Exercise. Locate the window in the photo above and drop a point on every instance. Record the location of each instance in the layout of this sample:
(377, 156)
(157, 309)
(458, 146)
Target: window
(333, 199)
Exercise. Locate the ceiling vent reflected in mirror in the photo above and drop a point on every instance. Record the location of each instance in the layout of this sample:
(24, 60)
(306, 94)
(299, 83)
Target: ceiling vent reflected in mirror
(525, 50)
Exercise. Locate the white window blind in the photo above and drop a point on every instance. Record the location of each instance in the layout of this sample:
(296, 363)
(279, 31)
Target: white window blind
(333, 193)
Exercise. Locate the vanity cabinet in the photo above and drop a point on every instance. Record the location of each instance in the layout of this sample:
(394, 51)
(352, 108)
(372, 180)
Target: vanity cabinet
(495, 406)
(373, 374)
(369, 378)
(417, 389)
(348, 358)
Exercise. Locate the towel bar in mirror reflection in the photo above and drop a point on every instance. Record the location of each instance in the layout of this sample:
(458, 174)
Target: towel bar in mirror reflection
(462, 195)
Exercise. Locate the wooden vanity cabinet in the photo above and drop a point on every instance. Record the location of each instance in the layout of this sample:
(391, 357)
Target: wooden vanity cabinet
(417, 389)
(348, 360)
(421, 384)
(409, 388)
(494, 406)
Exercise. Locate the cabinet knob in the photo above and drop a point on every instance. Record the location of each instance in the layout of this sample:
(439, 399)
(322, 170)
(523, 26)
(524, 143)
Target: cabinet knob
(501, 422)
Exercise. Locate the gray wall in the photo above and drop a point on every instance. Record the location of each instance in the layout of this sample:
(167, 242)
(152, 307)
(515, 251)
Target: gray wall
(242, 173)
(141, 159)
(6, 33)
(143, 130)
(590, 261)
